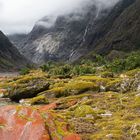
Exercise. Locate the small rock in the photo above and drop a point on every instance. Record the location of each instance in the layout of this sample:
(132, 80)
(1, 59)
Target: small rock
(138, 95)
(107, 114)
(109, 136)
(1, 95)
(123, 76)
(84, 98)
(23, 102)
(89, 116)
(138, 89)
(102, 88)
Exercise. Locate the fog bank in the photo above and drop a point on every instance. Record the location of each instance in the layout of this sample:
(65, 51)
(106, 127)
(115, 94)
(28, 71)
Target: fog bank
(19, 16)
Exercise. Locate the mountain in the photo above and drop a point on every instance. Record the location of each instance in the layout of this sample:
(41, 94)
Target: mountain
(17, 39)
(10, 58)
(124, 34)
(78, 34)
(57, 42)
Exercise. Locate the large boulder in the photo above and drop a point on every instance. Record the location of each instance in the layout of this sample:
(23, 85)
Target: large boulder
(125, 83)
(27, 123)
(26, 86)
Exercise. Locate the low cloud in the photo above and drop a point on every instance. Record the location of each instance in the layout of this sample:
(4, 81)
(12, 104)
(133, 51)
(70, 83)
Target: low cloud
(19, 16)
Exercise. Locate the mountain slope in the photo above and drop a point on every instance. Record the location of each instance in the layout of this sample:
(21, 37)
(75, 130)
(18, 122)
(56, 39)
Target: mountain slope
(10, 58)
(125, 32)
(59, 41)
(75, 35)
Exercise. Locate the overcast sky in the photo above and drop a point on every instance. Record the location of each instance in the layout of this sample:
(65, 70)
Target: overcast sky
(19, 16)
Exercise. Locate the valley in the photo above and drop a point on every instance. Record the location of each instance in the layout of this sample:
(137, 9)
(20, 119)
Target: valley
(74, 76)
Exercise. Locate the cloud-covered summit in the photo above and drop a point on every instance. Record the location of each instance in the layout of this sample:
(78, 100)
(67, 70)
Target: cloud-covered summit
(19, 16)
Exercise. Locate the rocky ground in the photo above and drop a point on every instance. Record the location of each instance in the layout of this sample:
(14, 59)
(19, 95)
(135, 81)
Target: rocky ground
(103, 106)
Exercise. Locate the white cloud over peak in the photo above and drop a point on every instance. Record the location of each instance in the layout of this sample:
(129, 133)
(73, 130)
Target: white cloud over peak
(19, 16)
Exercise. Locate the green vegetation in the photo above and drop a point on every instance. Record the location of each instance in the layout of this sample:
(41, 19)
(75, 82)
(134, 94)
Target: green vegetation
(86, 67)
(89, 95)
(24, 71)
(132, 61)
(83, 110)
(67, 70)
(36, 100)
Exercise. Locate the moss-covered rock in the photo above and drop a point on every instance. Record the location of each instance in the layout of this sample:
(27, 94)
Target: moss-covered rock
(73, 87)
(36, 100)
(56, 92)
(125, 83)
(27, 86)
(95, 79)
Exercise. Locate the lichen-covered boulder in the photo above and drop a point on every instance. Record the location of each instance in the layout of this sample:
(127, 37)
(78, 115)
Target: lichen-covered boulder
(33, 123)
(18, 123)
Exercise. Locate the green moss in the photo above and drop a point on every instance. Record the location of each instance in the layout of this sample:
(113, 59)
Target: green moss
(26, 86)
(132, 73)
(91, 106)
(95, 79)
(60, 126)
(106, 74)
(42, 99)
(115, 81)
(57, 92)
(114, 85)
(73, 87)
(77, 96)
(81, 86)
(137, 102)
(2, 126)
(83, 110)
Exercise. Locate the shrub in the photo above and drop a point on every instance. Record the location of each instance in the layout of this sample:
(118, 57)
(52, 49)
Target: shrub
(47, 67)
(83, 69)
(61, 70)
(116, 66)
(24, 71)
(132, 61)
(100, 60)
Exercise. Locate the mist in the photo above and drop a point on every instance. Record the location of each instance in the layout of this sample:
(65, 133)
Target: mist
(19, 16)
